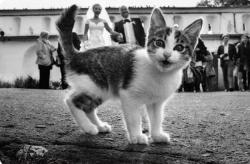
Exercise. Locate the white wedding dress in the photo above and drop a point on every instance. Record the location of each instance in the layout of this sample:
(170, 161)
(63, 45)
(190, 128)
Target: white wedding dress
(95, 36)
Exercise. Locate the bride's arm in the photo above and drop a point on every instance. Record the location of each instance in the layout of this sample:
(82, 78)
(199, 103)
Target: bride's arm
(109, 29)
(116, 36)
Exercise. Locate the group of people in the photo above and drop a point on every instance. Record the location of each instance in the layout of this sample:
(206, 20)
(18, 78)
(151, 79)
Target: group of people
(199, 75)
(235, 63)
(98, 32)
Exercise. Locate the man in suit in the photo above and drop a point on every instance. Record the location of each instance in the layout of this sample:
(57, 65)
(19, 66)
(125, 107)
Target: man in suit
(131, 29)
(244, 62)
(60, 62)
(227, 54)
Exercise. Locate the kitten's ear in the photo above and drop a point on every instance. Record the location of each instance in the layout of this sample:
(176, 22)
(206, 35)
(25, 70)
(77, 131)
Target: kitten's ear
(157, 19)
(193, 31)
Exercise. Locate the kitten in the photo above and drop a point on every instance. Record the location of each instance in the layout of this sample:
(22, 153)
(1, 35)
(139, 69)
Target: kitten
(138, 76)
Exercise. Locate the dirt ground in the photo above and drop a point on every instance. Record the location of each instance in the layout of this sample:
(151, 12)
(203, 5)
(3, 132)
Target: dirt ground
(205, 128)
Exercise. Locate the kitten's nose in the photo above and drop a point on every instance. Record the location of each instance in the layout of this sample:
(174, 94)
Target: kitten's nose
(167, 54)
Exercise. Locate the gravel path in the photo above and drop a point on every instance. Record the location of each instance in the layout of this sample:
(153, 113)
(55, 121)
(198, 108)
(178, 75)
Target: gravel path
(205, 128)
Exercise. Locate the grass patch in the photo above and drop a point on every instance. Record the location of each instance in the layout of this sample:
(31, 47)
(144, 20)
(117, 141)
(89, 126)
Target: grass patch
(27, 82)
(4, 84)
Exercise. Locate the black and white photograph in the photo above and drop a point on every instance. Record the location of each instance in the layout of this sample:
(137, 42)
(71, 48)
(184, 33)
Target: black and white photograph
(124, 81)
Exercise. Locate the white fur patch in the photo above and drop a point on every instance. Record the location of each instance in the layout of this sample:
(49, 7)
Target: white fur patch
(83, 83)
(150, 84)
(171, 39)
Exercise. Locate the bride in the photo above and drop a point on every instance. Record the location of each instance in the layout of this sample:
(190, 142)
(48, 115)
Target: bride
(94, 33)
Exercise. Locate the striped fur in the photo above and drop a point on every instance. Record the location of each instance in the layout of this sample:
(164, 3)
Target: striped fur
(139, 77)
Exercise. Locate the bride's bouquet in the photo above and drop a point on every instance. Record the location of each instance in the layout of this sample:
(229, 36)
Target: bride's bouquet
(85, 45)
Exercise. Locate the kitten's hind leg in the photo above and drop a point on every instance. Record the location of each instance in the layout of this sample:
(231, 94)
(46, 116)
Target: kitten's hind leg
(132, 116)
(156, 115)
(80, 104)
(103, 127)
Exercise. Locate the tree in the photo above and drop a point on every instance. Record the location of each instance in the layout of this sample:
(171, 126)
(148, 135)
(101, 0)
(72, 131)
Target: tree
(223, 3)
(205, 3)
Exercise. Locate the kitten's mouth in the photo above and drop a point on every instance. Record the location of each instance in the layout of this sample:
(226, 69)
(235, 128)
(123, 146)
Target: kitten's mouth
(165, 62)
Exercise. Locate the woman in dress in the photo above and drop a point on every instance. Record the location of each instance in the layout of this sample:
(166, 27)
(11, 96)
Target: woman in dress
(94, 33)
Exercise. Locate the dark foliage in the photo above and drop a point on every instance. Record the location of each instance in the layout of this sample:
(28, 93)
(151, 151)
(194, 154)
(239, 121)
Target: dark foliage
(223, 3)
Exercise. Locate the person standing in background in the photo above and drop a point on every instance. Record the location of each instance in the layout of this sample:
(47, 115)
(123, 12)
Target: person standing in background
(244, 63)
(227, 54)
(131, 29)
(236, 74)
(45, 60)
(200, 53)
(60, 62)
(209, 71)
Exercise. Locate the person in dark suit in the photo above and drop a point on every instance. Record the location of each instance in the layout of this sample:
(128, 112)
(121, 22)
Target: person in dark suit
(227, 54)
(200, 54)
(131, 29)
(244, 61)
(60, 58)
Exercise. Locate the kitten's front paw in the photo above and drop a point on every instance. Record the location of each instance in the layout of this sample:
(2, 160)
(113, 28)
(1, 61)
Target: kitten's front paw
(92, 130)
(139, 139)
(105, 128)
(161, 138)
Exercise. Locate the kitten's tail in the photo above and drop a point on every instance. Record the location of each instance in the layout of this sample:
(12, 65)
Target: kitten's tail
(65, 26)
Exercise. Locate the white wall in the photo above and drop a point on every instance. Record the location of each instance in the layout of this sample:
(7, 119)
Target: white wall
(18, 59)
(220, 22)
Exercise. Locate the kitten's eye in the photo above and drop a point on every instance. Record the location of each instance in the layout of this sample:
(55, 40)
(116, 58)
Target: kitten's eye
(159, 43)
(179, 47)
